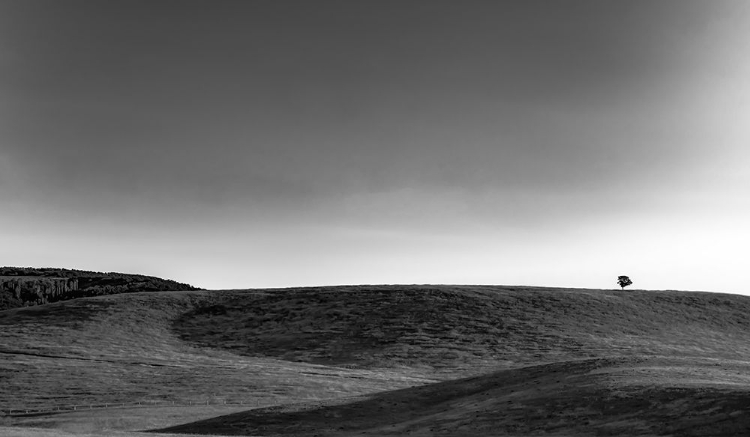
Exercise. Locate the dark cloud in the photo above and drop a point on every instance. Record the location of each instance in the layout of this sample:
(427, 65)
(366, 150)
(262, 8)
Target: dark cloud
(182, 96)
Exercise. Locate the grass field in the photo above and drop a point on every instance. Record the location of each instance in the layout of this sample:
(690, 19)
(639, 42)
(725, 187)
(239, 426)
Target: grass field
(381, 360)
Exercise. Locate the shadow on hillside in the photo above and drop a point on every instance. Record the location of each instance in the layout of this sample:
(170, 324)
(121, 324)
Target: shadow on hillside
(466, 329)
(572, 398)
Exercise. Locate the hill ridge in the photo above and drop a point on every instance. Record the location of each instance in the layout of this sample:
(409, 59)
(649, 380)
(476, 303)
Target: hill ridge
(27, 286)
(333, 351)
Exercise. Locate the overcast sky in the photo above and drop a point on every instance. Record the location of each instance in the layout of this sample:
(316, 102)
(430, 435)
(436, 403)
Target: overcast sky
(243, 144)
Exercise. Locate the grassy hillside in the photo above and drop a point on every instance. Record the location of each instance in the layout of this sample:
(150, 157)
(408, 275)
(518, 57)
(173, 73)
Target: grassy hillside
(386, 360)
(466, 329)
(592, 397)
(26, 286)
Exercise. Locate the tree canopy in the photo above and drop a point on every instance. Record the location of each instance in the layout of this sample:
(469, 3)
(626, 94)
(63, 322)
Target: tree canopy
(623, 281)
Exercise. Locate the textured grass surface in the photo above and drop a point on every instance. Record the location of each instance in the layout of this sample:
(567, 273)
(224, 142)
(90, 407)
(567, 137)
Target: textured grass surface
(573, 398)
(119, 420)
(6, 431)
(122, 348)
(468, 329)
(385, 360)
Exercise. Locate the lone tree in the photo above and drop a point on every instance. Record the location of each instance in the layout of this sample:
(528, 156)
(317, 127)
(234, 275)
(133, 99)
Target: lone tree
(623, 281)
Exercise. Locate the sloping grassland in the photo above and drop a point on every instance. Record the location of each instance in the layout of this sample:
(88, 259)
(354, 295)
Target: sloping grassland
(463, 329)
(391, 360)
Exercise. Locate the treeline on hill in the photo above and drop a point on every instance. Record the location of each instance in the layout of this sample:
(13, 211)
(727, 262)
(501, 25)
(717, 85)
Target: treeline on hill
(26, 286)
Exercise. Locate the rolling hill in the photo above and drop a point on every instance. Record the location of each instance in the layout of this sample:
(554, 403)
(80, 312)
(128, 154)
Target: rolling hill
(384, 360)
(27, 286)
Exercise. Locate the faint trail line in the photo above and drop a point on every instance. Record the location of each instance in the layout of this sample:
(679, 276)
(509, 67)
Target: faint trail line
(98, 360)
(251, 405)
